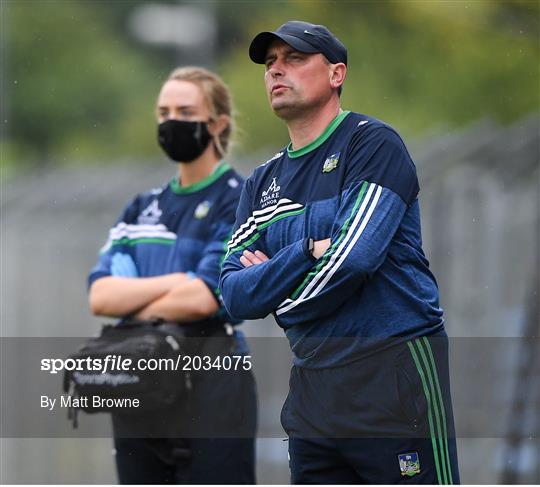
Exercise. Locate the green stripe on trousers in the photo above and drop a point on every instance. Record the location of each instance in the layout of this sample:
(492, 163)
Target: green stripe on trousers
(441, 403)
(425, 364)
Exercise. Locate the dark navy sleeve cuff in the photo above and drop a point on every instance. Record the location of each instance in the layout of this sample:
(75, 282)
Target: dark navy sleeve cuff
(305, 247)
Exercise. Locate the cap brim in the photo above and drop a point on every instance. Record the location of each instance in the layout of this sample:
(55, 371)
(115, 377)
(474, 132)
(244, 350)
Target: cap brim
(260, 44)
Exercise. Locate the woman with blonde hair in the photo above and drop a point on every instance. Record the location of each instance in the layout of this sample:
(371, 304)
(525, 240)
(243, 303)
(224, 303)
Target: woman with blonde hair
(162, 262)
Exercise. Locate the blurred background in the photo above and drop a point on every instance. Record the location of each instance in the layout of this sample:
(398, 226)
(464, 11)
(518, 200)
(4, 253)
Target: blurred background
(460, 82)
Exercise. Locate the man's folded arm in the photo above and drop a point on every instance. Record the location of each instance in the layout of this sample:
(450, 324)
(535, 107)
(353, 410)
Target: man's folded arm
(366, 225)
(256, 291)
(380, 184)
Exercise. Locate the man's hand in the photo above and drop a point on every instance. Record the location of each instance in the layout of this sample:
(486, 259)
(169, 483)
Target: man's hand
(249, 258)
(320, 247)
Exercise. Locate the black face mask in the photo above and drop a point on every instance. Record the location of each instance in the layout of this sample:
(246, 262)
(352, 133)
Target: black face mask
(183, 141)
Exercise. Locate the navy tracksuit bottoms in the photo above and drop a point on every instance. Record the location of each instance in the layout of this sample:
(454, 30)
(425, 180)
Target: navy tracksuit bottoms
(386, 418)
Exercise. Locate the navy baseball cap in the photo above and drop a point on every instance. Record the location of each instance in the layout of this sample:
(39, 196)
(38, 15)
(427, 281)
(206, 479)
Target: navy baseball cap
(303, 37)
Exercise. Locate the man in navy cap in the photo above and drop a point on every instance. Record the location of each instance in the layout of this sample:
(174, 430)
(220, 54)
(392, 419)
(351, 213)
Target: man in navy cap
(327, 238)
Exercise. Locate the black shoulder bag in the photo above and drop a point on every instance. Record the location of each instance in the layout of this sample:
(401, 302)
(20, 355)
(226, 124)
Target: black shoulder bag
(103, 385)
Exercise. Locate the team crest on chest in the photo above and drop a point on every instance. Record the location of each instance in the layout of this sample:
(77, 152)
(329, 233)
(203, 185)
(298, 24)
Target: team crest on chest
(271, 195)
(202, 210)
(150, 215)
(331, 162)
(409, 464)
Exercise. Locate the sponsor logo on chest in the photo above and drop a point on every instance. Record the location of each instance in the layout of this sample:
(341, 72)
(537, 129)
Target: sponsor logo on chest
(271, 195)
(202, 210)
(331, 162)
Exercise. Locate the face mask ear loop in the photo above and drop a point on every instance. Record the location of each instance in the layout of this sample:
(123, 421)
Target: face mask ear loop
(215, 139)
(218, 146)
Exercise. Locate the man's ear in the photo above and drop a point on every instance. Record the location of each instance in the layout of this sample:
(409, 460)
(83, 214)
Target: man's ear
(337, 75)
(219, 124)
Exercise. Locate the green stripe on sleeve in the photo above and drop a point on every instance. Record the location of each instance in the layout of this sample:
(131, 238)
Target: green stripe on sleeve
(225, 244)
(280, 216)
(245, 245)
(257, 235)
(136, 241)
(326, 257)
(430, 418)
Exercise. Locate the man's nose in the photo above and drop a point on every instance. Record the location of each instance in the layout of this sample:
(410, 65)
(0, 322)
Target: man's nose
(276, 69)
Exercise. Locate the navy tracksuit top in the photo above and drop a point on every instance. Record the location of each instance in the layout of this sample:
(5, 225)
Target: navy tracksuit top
(178, 229)
(357, 185)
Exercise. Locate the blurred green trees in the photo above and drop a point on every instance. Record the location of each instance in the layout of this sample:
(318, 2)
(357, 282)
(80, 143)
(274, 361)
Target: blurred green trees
(418, 65)
(73, 89)
(76, 86)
